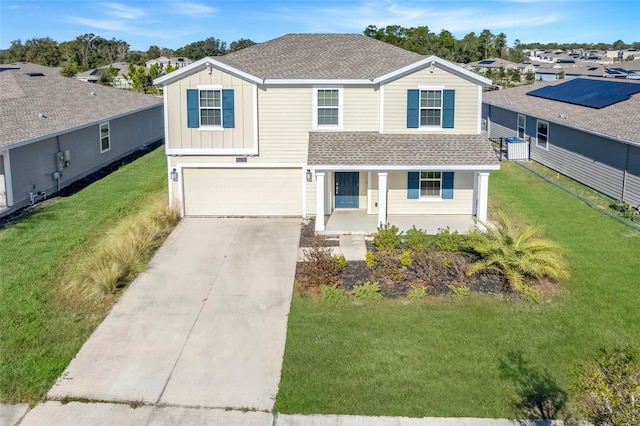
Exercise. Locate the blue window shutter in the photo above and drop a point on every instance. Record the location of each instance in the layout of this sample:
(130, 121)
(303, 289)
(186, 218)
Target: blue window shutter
(413, 185)
(413, 109)
(447, 185)
(228, 117)
(193, 113)
(448, 108)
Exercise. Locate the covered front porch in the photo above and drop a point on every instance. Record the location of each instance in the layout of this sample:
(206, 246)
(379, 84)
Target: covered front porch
(359, 222)
(366, 179)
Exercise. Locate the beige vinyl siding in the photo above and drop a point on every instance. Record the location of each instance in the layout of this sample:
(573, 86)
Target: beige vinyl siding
(242, 192)
(285, 117)
(239, 137)
(467, 114)
(398, 203)
(361, 108)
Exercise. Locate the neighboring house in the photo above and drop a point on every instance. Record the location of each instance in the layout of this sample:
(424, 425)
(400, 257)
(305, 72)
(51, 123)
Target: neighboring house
(120, 81)
(306, 124)
(496, 64)
(589, 132)
(55, 130)
(163, 61)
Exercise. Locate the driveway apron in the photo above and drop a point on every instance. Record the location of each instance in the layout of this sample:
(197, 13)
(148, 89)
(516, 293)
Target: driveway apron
(204, 326)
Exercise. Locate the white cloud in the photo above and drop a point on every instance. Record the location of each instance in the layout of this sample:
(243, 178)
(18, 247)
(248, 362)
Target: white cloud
(13, 7)
(192, 9)
(120, 10)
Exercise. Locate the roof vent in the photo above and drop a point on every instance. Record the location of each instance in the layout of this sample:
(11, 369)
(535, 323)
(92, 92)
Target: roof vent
(34, 74)
(94, 94)
(41, 115)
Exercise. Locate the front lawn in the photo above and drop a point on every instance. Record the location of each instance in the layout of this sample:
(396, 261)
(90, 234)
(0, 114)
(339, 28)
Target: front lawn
(42, 325)
(469, 356)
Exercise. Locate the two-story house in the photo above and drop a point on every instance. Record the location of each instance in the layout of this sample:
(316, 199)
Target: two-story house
(307, 124)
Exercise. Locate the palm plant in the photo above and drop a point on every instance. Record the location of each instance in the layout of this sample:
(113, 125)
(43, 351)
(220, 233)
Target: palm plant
(516, 253)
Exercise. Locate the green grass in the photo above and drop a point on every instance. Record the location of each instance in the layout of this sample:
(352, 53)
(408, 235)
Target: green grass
(42, 326)
(442, 356)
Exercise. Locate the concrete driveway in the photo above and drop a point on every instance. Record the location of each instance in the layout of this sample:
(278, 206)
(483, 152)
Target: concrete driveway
(204, 326)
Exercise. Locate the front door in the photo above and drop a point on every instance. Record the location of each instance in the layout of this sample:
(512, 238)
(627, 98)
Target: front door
(347, 189)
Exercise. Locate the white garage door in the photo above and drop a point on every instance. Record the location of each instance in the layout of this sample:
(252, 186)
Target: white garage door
(242, 192)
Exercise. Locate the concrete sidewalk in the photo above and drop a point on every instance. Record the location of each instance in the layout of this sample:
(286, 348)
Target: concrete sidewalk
(90, 414)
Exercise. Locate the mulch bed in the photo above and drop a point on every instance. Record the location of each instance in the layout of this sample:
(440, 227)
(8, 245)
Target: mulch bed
(433, 271)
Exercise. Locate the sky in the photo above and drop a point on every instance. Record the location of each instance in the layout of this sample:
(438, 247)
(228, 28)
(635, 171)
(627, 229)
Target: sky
(175, 23)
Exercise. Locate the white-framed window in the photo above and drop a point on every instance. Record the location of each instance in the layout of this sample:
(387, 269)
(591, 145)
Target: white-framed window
(542, 137)
(105, 138)
(430, 185)
(522, 122)
(210, 107)
(327, 103)
(430, 108)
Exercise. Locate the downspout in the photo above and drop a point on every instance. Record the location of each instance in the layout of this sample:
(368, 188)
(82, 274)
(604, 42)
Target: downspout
(624, 173)
(58, 175)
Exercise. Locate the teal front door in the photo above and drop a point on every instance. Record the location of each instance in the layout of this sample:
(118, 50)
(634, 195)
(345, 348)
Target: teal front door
(347, 190)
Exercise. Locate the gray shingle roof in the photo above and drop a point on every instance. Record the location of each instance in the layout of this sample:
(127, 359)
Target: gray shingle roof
(375, 149)
(66, 103)
(320, 56)
(619, 120)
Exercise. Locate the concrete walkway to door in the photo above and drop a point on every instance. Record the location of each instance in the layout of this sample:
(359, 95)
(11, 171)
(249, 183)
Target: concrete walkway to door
(204, 326)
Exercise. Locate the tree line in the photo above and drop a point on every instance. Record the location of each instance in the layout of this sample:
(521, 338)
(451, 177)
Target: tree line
(89, 51)
(472, 47)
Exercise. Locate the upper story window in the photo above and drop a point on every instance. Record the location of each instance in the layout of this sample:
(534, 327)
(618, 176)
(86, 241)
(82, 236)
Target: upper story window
(327, 107)
(542, 140)
(521, 126)
(210, 107)
(105, 140)
(430, 108)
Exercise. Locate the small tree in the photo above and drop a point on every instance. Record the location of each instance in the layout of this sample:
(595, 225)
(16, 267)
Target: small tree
(70, 69)
(530, 77)
(608, 388)
(561, 75)
(105, 77)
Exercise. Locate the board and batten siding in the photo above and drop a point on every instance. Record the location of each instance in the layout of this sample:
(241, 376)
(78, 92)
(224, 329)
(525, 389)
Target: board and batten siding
(241, 136)
(592, 160)
(467, 114)
(398, 203)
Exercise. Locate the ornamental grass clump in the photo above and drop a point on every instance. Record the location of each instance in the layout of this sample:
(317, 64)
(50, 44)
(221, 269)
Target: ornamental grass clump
(517, 253)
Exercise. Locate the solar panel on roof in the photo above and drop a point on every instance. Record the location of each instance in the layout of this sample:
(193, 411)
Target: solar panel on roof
(485, 62)
(593, 68)
(590, 93)
(94, 72)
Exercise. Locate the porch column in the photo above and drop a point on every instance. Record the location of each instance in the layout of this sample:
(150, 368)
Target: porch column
(382, 198)
(483, 196)
(320, 194)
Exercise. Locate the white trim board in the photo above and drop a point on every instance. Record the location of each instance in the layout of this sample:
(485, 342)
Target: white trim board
(383, 168)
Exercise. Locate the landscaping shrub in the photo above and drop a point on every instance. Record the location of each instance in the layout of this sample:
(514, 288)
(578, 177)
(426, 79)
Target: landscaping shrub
(608, 388)
(458, 291)
(417, 293)
(368, 290)
(320, 266)
(405, 259)
(388, 238)
(435, 269)
(388, 268)
(332, 294)
(447, 240)
(418, 241)
(370, 259)
(340, 262)
(516, 253)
